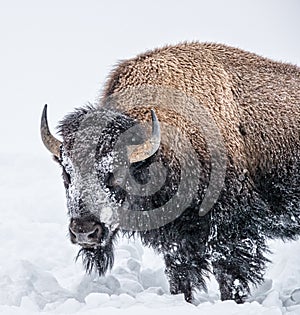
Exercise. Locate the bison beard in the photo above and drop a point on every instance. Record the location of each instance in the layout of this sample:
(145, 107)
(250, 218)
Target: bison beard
(98, 259)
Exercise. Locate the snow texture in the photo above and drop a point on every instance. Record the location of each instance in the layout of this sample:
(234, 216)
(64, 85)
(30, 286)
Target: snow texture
(38, 272)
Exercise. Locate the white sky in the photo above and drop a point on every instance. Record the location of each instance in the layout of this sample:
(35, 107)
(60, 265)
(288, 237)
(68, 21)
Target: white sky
(60, 51)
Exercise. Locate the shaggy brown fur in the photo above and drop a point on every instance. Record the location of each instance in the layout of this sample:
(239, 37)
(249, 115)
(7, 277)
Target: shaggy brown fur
(255, 101)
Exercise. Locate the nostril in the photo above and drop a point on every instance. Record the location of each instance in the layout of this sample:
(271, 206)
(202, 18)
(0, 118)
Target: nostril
(72, 235)
(94, 234)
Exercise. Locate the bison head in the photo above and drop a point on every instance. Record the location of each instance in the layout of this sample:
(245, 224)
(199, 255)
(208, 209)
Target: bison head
(106, 163)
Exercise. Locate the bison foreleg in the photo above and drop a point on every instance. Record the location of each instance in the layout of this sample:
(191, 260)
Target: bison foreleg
(236, 264)
(186, 269)
(178, 280)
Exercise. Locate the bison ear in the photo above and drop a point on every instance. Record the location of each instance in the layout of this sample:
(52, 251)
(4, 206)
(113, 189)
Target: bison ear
(50, 142)
(141, 152)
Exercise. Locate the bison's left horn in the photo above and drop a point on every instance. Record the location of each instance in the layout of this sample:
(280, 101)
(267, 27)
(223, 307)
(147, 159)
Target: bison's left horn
(50, 142)
(141, 152)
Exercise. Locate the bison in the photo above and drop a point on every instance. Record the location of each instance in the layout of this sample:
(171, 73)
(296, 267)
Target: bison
(195, 148)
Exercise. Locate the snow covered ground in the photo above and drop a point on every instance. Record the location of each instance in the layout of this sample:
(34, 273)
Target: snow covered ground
(59, 52)
(38, 272)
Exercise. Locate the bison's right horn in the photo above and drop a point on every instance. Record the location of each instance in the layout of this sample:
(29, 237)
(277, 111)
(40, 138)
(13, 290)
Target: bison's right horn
(50, 142)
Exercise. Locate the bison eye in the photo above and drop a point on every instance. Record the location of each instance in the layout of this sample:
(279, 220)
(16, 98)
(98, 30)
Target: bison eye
(109, 180)
(66, 178)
